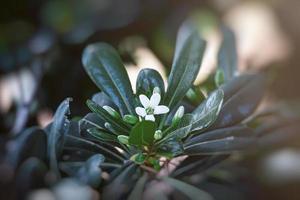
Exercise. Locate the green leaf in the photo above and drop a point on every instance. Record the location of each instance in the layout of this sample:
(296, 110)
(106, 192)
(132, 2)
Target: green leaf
(30, 143)
(227, 56)
(102, 135)
(241, 97)
(240, 130)
(90, 172)
(220, 146)
(207, 112)
(117, 124)
(137, 192)
(186, 64)
(121, 183)
(181, 130)
(190, 191)
(147, 80)
(142, 133)
(107, 150)
(170, 148)
(104, 66)
(30, 174)
(56, 136)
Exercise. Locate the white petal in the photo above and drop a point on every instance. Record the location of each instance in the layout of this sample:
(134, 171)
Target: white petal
(161, 110)
(154, 100)
(140, 111)
(150, 118)
(144, 101)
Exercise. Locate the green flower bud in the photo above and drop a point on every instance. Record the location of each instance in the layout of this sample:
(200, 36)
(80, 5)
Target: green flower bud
(219, 77)
(130, 119)
(123, 139)
(178, 115)
(138, 158)
(158, 135)
(156, 90)
(112, 112)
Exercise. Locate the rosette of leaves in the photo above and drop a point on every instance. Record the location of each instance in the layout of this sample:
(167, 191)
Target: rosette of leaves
(127, 153)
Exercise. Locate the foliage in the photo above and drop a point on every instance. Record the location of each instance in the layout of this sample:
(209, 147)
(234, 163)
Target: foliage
(129, 141)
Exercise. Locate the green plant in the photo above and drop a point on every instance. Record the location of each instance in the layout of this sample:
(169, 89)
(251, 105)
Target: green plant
(133, 143)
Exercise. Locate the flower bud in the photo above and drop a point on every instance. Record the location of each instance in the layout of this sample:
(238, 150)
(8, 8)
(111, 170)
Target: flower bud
(219, 77)
(178, 115)
(156, 90)
(158, 135)
(130, 119)
(123, 139)
(112, 112)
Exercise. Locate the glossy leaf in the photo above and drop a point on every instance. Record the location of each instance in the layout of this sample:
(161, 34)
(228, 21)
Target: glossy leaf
(182, 130)
(56, 136)
(30, 175)
(119, 125)
(186, 64)
(122, 182)
(30, 143)
(207, 112)
(220, 146)
(137, 192)
(241, 97)
(142, 133)
(104, 66)
(90, 172)
(102, 135)
(170, 148)
(107, 150)
(227, 56)
(147, 80)
(190, 191)
(236, 131)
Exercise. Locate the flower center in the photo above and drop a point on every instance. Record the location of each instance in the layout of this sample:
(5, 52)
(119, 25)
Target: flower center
(150, 110)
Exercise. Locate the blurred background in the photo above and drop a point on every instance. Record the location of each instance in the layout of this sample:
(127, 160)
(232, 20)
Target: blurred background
(41, 43)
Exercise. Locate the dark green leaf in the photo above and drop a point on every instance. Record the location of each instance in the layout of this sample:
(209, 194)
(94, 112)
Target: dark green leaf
(102, 135)
(147, 80)
(90, 172)
(220, 146)
(182, 130)
(142, 133)
(121, 183)
(236, 131)
(102, 99)
(118, 125)
(137, 192)
(107, 150)
(105, 67)
(190, 191)
(30, 175)
(56, 136)
(197, 164)
(207, 112)
(186, 64)
(227, 57)
(91, 120)
(30, 143)
(171, 147)
(241, 97)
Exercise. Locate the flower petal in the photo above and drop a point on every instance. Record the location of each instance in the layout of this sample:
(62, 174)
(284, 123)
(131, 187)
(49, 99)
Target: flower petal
(144, 100)
(140, 111)
(154, 100)
(161, 110)
(150, 118)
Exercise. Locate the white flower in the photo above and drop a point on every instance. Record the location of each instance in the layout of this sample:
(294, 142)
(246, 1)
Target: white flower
(151, 107)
